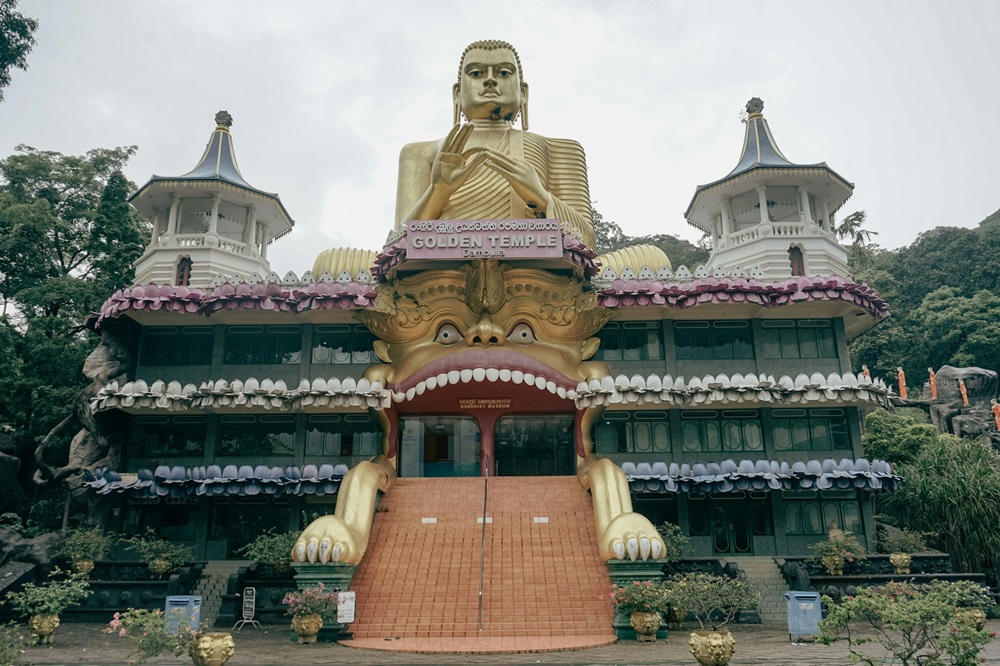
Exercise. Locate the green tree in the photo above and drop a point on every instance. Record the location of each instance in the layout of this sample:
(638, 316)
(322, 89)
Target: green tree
(67, 240)
(861, 250)
(610, 237)
(608, 234)
(16, 40)
(957, 330)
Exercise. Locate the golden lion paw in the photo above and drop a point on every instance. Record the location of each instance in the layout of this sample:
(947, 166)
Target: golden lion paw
(631, 536)
(328, 539)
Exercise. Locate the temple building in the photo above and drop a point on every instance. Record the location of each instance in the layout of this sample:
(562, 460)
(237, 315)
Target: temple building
(489, 345)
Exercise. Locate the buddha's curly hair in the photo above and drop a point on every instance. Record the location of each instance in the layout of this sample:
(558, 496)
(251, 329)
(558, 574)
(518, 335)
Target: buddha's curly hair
(491, 45)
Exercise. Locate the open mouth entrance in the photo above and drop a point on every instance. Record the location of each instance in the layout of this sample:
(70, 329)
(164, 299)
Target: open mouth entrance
(451, 446)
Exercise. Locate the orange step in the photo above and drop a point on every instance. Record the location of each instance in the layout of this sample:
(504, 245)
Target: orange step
(542, 576)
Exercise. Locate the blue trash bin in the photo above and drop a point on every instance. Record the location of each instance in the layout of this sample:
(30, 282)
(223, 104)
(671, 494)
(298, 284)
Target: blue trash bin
(190, 609)
(804, 614)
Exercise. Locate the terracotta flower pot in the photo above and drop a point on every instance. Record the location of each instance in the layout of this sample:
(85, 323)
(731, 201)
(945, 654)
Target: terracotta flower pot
(42, 627)
(900, 562)
(712, 648)
(212, 649)
(307, 627)
(645, 625)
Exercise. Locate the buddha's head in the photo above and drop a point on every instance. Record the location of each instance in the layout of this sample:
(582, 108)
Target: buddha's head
(487, 316)
(490, 83)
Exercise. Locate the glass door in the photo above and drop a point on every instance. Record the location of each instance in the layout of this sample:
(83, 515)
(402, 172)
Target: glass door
(731, 528)
(535, 446)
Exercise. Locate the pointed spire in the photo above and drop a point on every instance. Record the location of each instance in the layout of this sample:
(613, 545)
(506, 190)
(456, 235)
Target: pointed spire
(219, 159)
(759, 146)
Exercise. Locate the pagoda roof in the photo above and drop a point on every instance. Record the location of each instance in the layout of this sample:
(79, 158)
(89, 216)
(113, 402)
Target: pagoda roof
(761, 153)
(218, 164)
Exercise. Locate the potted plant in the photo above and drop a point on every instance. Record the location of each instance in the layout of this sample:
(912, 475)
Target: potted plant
(308, 607)
(42, 604)
(11, 640)
(642, 601)
(837, 550)
(160, 555)
(82, 546)
(273, 549)
(900, 545)
(147, 629)
(714, 601)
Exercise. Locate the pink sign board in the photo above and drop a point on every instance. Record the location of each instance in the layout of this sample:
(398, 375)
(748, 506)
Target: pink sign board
(480, 239)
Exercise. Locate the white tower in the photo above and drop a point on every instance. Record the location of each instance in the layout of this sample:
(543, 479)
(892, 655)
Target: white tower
(772, 215)
(209, 221)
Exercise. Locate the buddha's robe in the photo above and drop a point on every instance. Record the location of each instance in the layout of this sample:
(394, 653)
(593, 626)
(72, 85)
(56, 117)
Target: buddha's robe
(561, 167)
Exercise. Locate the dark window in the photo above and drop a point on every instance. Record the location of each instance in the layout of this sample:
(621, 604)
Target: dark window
(630, 341)
(712, 340)
(797, 261)
(257, 435)
(347, 435)
(342, 344)
(803, 338)
(189, 345)
(155, 436)
(633, 432)
(263, 345)
(184, 272)
(735, 430)
(814, 513)
(810, 429)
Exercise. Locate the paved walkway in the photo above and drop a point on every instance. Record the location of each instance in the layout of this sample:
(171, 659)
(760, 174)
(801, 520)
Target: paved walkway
(755, 645)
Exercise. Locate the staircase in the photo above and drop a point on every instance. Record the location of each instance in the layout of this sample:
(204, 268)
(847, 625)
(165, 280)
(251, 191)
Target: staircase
(764, 574)
(212, 585)
(544, 584)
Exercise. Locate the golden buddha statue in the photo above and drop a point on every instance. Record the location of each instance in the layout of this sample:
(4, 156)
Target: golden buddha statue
(485, 315)
(487, 169)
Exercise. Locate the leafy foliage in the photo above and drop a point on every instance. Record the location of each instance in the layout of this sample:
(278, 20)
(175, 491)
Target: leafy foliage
(914, 624)
(11, 645)
(844, 546)
(897, 436)
(52, 597)
(902, 541)
(16, 40)
(674, 540)
(84, 544)
(714, 600)
(151, 547)
(610, 237)
(147, 631)
(273, 548)
(953, 490)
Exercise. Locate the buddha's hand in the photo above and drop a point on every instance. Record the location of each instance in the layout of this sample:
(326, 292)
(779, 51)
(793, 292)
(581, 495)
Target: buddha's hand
(450, 169)
(328, 539)
(631, 536)
(522, 177)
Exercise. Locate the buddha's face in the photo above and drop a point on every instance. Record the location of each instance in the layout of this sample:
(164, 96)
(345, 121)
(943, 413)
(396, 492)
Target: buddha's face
(490, 87)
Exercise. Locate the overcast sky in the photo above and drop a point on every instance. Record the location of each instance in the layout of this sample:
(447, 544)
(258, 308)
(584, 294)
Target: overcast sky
(899, 97)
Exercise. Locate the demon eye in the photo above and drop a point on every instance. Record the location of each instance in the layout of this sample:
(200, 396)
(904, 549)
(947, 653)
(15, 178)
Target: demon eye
(448, 334)
(522, 334)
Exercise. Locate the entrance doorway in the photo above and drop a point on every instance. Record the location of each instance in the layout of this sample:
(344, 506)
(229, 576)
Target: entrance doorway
(438, 446)
(730, 521)
(535, 445)
(731, 533)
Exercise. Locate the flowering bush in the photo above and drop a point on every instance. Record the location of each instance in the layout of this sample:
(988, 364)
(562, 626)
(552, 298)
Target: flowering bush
(844, 546)
(639, 596)
(918, 624)
(51, 597)
(148, 633)
(714, 600)
(311, 600)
